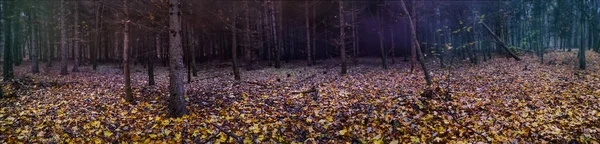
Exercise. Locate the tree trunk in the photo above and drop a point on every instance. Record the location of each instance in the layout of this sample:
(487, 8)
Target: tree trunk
(582, 64)
(249, 48)
(151, 58)
(63, 39)
(413, 45)
(393, 47)
(96, 50)
(76, 47)
(276, 38)
(176, 70)
(413, 36)
(8, 45)
(308, 52)
(354, 44)
(34, 48)
(342, 44)
(128, 93)
(236, 71)
(314, 43)
(380, 36)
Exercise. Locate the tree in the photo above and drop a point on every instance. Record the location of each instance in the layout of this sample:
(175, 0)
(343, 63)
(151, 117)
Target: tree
(63, 39)
(34, 48)
(380, 35)
(128, 93)
(76, 40)
(581, 54)
(9, 21)
(97, 36)
(176, 105)
(413, 37)
(308, 56)
(341, 42)
(234, 45)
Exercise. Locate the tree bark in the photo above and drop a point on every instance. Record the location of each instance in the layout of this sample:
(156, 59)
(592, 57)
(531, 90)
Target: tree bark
(393, 47)
(581, 54)
(128, 93)
(413, 36)
(276, 38)
(34, 48)
(314, 28)
(236, 71)
(63, 39)
(96, 49)
(380, 35)
(8, 45)
(308, 52)
(342, 43)
(76, 37)
(176, 70)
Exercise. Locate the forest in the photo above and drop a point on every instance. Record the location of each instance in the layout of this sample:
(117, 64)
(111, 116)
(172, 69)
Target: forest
(300, 71)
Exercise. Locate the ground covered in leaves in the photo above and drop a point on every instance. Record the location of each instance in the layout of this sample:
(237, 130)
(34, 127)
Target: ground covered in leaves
(495, 101)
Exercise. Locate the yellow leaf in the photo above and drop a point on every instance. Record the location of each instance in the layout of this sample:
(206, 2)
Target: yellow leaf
(166, 122)
(96, 124)
(177, 136)
(378, 141)
(343, 132)
(394, 142)
(108, 133)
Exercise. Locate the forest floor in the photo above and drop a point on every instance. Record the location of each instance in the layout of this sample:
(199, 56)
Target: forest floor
(500, 100)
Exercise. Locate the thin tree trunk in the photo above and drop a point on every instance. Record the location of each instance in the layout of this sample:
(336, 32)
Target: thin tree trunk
(380, 35)
(63, 39)
(176, 70)
(151, 57)
(128, 93)
(96, 50)
(34, 48)
(8, 45)
(413, 44)
(413, 36)
(354, 44)
(276, 38)
(308, 52)
(247, 46)
(76, 37)
(236, 71)
(342, 35)
(314, 43)
(582, 62)
(393, 47)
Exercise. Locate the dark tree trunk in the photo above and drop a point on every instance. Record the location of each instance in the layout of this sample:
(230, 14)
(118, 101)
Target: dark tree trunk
(63, 39)
(176, 70)
(342, 43)
(236, 71)
(581, 54)
(308, 52)
(380, 35)
(8, 45)
(76, 37)
(97, 36)
(34, 48)
(128, 93)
